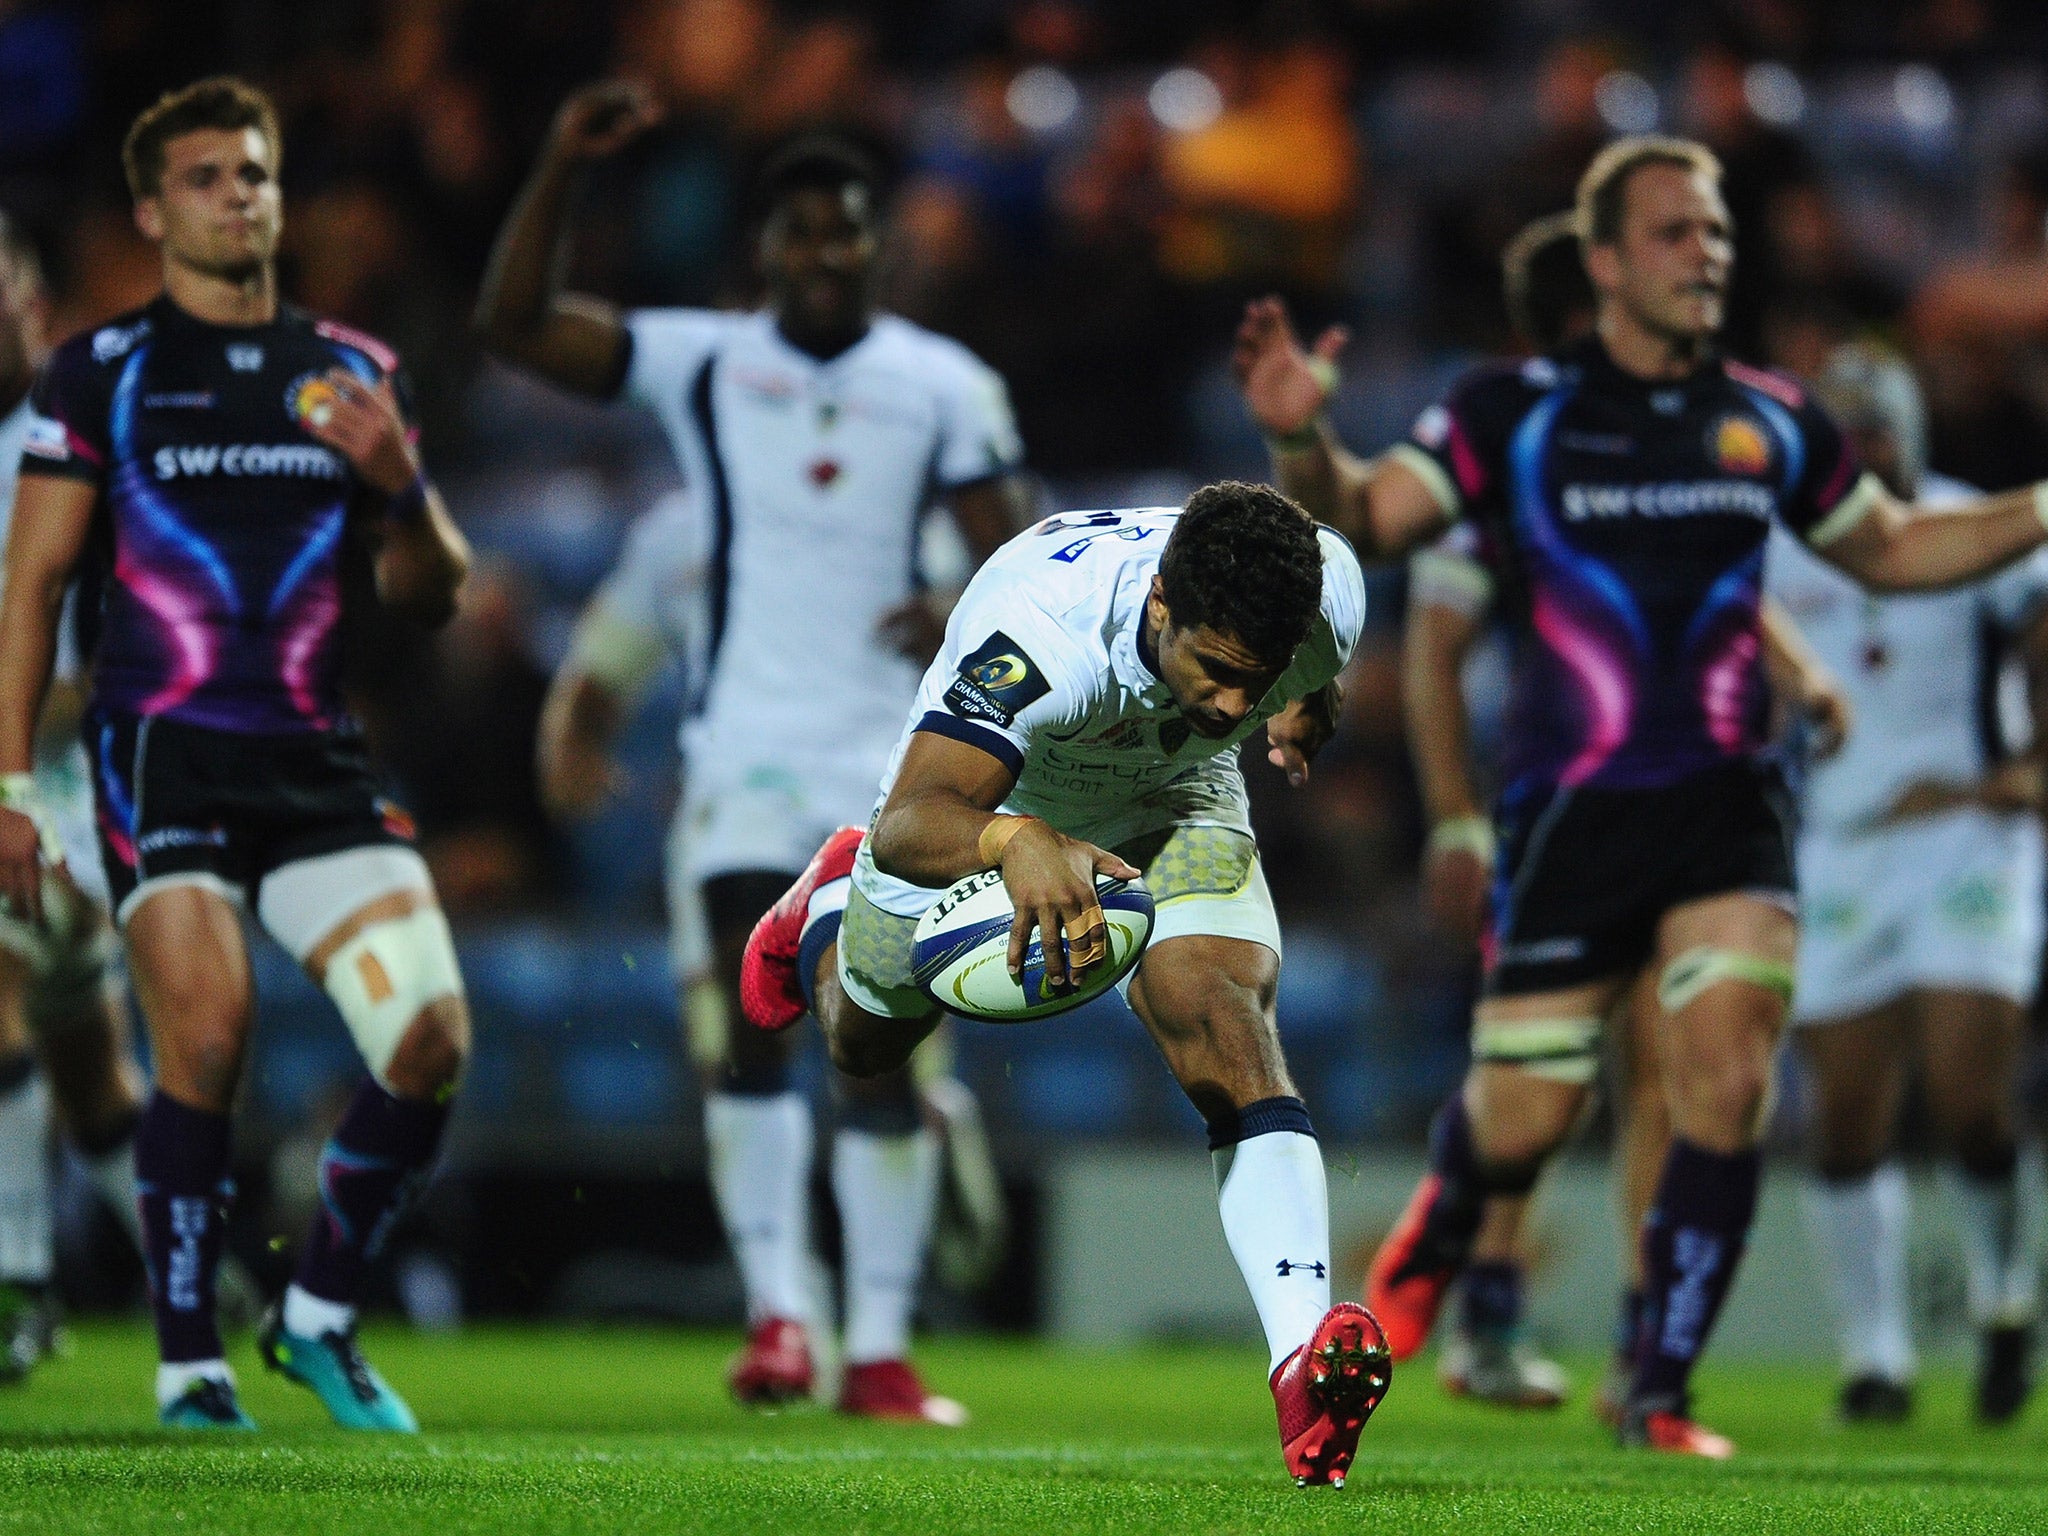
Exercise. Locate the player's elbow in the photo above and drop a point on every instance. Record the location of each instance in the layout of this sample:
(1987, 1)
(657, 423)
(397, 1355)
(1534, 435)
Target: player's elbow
(889, 845)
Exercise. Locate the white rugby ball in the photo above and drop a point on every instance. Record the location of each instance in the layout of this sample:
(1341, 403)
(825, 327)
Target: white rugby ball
(961, 952)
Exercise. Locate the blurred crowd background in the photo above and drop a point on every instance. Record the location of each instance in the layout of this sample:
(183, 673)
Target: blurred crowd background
(1085, 193)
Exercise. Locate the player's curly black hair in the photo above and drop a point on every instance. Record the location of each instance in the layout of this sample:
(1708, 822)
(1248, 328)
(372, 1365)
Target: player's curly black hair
(825, 162)
(1243, 560)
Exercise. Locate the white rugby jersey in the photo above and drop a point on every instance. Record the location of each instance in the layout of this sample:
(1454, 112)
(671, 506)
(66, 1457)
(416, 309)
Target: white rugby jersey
(813, 479)
(1922, 670)
(13, 433)
(1041, 669)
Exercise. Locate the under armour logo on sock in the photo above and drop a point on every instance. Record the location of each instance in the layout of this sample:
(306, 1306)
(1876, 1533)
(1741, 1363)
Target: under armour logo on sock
(1314, 1267)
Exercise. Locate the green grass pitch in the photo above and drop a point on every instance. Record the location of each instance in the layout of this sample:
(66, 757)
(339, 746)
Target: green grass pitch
(627, 1431)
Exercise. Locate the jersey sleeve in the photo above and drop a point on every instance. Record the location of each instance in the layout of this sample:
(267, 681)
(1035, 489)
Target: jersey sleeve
(1007, 672)
(666, 347)
(977, 430)
(1830, 492)
(1456, 572)
(67, 428)
(1453, 448)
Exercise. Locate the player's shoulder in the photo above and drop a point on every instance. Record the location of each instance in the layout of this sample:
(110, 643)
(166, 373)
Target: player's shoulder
(1499, 389)
(378, 353)
(1768, 382)
(1343, 583)
(930, 354)
(102, 348)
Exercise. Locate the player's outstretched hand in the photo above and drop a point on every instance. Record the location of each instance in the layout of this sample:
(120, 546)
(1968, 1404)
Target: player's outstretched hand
(601, 118)
(1302, 729)
(1051, 881)
(361, 423)
(21, 870)
(1284, 387)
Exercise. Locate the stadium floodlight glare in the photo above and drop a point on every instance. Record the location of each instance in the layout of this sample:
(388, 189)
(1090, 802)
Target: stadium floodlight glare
(1922, 98)
(1184, 100)
(1042, 99)
(1627, 103)
(1774, 93)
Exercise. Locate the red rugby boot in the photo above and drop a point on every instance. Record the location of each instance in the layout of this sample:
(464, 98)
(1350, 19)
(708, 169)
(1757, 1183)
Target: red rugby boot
(771, 995)
(1410, 1275)
(891, 1389)
(1660, 1429)
(775, 1366)
(1326, 1390)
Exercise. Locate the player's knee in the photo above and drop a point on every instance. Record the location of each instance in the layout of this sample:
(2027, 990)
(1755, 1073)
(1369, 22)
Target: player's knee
(203, 1051)
(431, 1054)
(1727, 1089)
(398, 987)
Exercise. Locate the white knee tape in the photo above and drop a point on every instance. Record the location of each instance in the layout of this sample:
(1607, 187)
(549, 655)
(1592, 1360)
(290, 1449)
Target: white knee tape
(383, 976)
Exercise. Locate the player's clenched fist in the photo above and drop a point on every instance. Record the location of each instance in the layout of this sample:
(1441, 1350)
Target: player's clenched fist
(601, 119)
(1051, 881)
(360, 422)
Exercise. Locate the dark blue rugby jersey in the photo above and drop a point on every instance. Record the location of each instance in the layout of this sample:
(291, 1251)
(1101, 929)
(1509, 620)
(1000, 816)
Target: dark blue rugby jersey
(1625, 521)
(221, 521)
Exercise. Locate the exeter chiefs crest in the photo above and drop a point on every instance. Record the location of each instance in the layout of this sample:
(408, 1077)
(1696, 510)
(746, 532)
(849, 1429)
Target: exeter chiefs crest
(1739, 445)
(309, 400)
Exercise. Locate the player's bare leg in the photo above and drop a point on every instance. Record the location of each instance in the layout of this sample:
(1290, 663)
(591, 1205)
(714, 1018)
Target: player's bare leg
(1208, 1002)
(390, 966)
(1518, 1104)
(1970, 1044)
(1856, 1201)
(1724, 968)
(190, 969)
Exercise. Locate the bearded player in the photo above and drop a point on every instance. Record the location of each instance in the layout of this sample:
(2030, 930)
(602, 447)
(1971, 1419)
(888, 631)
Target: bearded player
(1629, 486)
(815, 435)
(211, 467)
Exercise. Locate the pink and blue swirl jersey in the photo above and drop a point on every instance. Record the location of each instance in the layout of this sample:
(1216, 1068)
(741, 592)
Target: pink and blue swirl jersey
(214, 575)
(1625, 523)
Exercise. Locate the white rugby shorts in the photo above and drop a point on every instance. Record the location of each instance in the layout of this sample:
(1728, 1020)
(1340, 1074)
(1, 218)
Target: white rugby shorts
(762, 817)
(1950, 902)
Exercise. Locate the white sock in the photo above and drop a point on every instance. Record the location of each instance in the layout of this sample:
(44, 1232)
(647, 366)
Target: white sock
(113, 1178)
(311, 1316)
(1859, 1228)
(172, 1380)
(888, 1193)
(761, 1175)
(2000, 1248)
(25, 1181)
(1276, 1218)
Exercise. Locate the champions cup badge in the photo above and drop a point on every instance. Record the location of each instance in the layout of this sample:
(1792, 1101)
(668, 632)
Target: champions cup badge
(1740, 447)
(310, 400)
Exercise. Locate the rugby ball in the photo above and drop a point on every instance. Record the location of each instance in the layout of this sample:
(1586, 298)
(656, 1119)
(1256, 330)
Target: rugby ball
(961, 952)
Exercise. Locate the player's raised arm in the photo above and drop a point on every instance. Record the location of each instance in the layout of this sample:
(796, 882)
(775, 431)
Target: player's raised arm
(1893, 546)
(1381, 505)
(522, 314)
